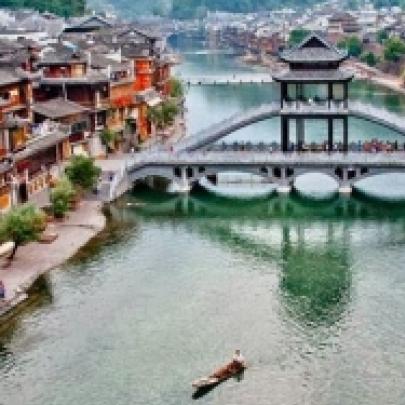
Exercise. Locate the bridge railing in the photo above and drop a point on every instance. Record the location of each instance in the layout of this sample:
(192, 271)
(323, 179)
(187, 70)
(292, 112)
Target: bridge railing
(382, 159)
(237, 120)
(377, 115)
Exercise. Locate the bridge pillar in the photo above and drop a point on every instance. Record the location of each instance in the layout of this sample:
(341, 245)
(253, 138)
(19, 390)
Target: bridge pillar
(345, 186)
(284, 185)
(181, 185)
(345, 189)
(285, 133)
(300, 127)
(330, 134)
(345, 134)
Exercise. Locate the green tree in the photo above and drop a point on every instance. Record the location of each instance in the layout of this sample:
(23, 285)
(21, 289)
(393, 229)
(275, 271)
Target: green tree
(352, 44)
(370, 58)
(155, 115)
(163, 114)
(170, 110)
(82, 172)
(61, 7)
(176, 88)
(394, 48)
(108, 137)
(21, 225)
(297, 35)
(382, 36)
(61, 196)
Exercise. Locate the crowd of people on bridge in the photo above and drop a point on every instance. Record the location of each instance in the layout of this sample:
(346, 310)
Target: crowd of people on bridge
(373, 146)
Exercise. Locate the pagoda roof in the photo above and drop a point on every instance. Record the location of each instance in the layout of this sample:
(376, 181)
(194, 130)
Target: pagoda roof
(314, 76)
(313, 49)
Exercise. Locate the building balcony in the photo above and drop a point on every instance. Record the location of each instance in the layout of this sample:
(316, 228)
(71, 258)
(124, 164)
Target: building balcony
(115, 124)
(4, 152)
(312, 106)
(13, 104)
(44, 136)
(49, 128)
(99, 104)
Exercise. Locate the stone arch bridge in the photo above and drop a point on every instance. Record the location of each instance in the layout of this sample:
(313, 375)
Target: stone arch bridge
(188, 162)
(186, 168)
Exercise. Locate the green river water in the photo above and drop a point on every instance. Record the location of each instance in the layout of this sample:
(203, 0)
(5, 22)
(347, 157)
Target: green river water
(312, 292)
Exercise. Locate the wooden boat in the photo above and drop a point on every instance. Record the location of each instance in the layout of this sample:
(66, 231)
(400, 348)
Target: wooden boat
(220, 375)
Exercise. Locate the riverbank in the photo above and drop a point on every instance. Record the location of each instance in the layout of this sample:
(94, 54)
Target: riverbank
(36, 259)
(376, 76)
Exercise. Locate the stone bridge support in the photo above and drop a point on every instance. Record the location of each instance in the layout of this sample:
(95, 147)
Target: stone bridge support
(284, 183)
(182, 183)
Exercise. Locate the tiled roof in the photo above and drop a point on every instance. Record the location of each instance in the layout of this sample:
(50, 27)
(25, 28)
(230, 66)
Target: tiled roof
(312, 50)
(101, 62)
(58, 108)
(10, 76)
(62, 55)
(89, 78)
(325, 75)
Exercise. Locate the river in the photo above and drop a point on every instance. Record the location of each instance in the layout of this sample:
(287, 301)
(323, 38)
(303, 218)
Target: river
(312, 292)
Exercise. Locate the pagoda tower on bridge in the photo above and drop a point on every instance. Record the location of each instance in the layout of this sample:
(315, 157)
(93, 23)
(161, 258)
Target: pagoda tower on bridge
(313, 87)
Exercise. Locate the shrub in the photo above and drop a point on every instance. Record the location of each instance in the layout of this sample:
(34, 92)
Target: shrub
(394, 48)
(370, 58)
(352, 44)
(108, 137)
(21, 225)
(61, 195)
(82, 172)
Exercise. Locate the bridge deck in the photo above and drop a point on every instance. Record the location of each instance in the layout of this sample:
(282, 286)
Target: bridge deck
(313, 159)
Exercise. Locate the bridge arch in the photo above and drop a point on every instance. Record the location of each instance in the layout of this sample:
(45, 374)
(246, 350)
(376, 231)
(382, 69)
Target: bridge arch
(264, 112)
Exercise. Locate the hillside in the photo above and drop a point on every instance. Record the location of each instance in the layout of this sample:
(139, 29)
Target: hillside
(183, 9)
(60, 7)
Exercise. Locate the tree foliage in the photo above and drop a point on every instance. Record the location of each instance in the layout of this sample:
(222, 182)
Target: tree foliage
(394, 48)
(369, 58)
(61, 196)
(21, 225)
(352, 44)
(163, 114)
(60, 7)
(297, 35)
(176, 88)
(108, 137)
(184, 9)
(382, 36)
(82, 172)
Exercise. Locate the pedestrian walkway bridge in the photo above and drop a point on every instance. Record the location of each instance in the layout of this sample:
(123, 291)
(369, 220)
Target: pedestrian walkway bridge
(208, 81)
(187, 168)
(267, 111)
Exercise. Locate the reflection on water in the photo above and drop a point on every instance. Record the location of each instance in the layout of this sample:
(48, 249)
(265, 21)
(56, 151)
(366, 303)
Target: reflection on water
(315, 281)
(180, 281)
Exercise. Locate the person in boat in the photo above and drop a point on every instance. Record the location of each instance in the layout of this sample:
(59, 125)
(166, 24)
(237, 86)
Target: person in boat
(236, 365)
(238, 360)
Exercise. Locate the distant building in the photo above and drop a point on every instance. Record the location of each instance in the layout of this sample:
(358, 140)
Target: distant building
(343, 23)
